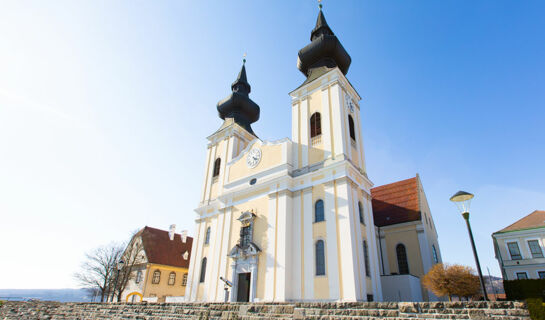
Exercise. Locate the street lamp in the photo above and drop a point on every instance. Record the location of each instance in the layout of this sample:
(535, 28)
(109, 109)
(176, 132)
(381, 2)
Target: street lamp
(462, 200)
(119, 266)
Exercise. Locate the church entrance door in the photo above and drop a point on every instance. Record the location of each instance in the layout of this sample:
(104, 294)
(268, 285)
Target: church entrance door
(243, 287)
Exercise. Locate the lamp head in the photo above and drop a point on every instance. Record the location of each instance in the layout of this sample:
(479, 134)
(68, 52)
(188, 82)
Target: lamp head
(462, 200)
(120, 264)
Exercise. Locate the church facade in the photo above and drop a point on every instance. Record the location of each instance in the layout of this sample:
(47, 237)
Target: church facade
(289, 220)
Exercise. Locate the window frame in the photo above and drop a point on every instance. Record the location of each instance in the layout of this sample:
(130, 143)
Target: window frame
(171, 280)
(316, 258)
(184, 280)
(399, 245)
(315, 124)
(507, 242)
(315, 210)
(217, 167)
(521, 272)
(156, 275)
(434, 253)
(530, 248)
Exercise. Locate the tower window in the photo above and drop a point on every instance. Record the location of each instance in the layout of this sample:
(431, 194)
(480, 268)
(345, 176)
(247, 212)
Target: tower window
(402, 262)
(315, 125)
(319, 211)
(366, 258)
(320, 258)
(203, 270)
(156, 277)
(217, 164)
(360, 210)
(171, 278)
(207, 237)
(351, 127)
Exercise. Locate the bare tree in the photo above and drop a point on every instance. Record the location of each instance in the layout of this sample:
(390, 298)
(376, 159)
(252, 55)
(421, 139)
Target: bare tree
(133, 256)
(98, 270)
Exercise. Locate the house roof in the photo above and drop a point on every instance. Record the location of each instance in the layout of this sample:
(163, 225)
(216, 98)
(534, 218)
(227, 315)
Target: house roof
(535, 219)
(161, 250)
(396, 202)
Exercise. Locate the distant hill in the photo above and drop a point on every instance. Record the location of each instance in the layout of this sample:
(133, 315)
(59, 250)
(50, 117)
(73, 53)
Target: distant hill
(61, 295)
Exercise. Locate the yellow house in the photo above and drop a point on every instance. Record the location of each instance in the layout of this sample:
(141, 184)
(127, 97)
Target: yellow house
(161, 274)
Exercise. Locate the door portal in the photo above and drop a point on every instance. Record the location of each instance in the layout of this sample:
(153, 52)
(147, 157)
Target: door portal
(243, 287)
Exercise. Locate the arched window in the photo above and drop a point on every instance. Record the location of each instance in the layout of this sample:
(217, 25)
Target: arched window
(315, 125)
(207, 236)
(351, 128)
(402, 262)
(184, 280)
(156, 277)
(435, 257)
(138, 276)
(360, 210)
(203, 270)
(319, 211)
(366, 258)
(217, 164)
(320, 258)
(171, 278)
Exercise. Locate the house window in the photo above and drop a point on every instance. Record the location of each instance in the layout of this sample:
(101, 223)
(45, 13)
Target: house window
(319, 211)
(360, 210)
(514, 250)
(138, 276)
(522, 275)
(434, 251)
(351, 128)
(216, 171)
(402, 262)
(315, 125)
(535, 249)
(245, 236)
(320, 258)
(184, 280)
(203, 270)
(207, 236)
(366, 258)
(171, 278)
(156, 277)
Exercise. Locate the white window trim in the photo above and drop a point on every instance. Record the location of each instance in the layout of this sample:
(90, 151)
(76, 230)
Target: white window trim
(325, 258)
(540, 247)
(520, 271)
(537, 273)
(509, 252)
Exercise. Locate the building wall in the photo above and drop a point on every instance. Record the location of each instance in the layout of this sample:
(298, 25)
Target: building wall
(163, 289)
(528, 263)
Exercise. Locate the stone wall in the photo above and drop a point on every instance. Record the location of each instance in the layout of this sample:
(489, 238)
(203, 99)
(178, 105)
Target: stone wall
(361, 310)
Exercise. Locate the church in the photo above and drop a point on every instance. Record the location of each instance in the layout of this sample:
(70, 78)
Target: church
(292, 219)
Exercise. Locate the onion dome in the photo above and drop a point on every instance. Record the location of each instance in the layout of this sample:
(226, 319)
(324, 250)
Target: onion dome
(324, 53)
(238, 104)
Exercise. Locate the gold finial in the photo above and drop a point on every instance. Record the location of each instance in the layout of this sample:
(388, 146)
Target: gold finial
(244, 58)
(320, 4)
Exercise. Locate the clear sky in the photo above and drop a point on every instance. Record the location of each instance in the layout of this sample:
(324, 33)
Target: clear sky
(105, 107)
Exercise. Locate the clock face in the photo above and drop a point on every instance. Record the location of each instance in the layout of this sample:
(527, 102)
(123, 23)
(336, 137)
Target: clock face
(253, 158)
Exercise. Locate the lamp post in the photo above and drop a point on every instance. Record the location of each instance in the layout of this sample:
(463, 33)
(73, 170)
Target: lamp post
(462, 200)
(119, 266)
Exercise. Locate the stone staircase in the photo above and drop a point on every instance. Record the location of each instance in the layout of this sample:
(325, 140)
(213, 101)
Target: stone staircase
(248, 311)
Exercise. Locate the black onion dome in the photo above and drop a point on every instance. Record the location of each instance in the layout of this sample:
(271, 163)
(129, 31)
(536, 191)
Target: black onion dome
(324, 52)
(238, 104)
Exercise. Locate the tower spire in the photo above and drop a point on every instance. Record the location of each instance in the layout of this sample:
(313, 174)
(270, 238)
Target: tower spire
(325, 51)
(238, 105)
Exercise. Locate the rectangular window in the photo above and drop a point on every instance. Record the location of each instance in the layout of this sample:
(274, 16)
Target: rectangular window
(366, 259)
(522, 275)
(535, 249)
(541, 274)
(184, 280)
(514, 250)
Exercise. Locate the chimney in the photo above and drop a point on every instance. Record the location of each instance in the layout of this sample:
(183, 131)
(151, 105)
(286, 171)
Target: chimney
(184, 236)
(171, 231)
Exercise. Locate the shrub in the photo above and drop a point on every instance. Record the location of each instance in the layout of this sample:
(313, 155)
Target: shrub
(524, 289)
(536, 309)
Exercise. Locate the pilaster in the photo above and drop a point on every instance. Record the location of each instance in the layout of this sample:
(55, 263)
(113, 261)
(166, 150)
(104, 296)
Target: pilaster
(333, 262)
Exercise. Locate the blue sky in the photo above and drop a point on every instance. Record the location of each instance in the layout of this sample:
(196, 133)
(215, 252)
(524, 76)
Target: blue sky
(105, 107)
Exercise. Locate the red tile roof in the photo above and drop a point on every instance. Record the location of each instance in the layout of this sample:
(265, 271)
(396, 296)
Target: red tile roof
(161, 250)
(396, 202)
(535, 219)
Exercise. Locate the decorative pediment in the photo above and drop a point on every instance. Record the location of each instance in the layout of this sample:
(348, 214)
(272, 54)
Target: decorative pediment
(242, 253)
